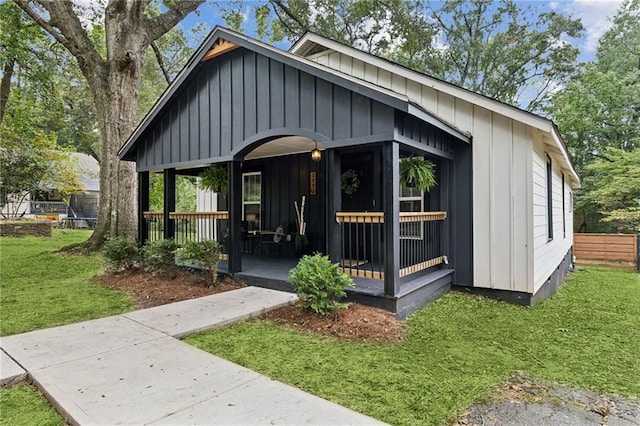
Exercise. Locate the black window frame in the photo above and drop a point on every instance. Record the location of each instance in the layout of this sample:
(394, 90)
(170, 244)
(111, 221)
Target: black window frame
(564, 213)
(549, 199)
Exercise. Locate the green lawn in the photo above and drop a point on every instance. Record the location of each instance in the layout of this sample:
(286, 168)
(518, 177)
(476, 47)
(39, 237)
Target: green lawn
(457, 350)
(39, 288)
(23, 405)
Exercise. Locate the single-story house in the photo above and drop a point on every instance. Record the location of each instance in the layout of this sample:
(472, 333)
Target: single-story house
(81, 208)
(332, 124)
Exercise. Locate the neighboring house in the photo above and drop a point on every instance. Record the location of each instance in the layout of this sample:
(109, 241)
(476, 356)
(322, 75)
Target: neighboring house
(499, 222)
(82, 206)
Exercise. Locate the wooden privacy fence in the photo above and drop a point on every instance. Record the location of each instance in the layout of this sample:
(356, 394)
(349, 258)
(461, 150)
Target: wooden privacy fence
(619, 249)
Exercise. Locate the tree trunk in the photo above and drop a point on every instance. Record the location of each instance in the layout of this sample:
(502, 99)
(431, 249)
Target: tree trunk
(116, 114)
(116, 98)
(5, 86)
(114, 85)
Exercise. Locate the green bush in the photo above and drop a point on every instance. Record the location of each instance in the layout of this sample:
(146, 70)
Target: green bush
(120, 253)
(204, 254)
(319, 284)
(159, 255)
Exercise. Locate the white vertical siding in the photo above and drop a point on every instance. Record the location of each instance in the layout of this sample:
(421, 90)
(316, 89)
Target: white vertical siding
(501, 180)
(482, 206)
(548, 253)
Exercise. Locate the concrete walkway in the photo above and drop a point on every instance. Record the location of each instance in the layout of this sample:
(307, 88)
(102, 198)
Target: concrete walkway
(131, 369)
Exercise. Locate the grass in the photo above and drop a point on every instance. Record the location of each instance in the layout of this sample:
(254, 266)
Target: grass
(457, 350)
(23, 405)
(39, 288)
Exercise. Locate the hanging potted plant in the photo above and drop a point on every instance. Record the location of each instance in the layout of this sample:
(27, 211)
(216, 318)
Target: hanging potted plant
(214, 179)
(350, 181)
(418, 172)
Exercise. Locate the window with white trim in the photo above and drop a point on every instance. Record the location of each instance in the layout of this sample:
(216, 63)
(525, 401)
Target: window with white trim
(411, 200)
(251, 199)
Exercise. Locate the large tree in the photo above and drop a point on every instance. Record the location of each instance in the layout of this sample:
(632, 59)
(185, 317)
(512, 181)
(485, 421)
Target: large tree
(113, 77)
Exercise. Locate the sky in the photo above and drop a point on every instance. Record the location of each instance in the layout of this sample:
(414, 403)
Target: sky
(595, 15)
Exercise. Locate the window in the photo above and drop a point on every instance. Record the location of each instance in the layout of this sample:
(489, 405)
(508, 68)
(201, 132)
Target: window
(549, 199)
(411, 200)
(564, 218)
(251, 199)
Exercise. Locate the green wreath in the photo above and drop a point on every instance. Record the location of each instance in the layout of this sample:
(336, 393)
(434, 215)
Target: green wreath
(350, 181)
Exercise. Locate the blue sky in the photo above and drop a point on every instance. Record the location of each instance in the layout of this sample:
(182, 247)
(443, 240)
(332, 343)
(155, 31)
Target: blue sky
(595, 15)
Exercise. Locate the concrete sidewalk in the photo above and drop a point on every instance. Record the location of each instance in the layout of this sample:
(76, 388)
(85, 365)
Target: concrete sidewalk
(131, 369)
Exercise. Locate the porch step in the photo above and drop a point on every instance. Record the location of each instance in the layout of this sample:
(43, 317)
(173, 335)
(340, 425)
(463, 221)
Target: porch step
(416, 283)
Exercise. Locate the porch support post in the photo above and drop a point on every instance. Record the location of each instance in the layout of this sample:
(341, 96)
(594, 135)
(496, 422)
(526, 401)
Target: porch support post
(143, 206)
(235, 216)
(391, 208)
(334, 204)
(169, 202)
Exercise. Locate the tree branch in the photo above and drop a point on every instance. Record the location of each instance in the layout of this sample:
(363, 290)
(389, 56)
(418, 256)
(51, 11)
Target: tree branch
(158, 54)
(71, 34)
(40, 21)
(289, 13)
(159, 26)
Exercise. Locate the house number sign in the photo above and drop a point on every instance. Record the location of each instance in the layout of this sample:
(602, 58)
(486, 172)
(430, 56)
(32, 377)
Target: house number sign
(312, 180)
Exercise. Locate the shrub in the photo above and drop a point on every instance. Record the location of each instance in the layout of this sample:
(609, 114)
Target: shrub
(319, 284)
(159, 255)
(204, 254)
(120, 253)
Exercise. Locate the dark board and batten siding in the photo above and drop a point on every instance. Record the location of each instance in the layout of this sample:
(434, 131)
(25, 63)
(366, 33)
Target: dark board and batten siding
(234, 101)
(423, 136)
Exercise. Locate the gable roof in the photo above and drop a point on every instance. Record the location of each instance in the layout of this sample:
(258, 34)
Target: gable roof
(312, 43)
(88, 170)
(220, 36)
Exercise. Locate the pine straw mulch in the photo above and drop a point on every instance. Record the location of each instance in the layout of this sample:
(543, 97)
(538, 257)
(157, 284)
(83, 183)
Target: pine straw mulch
(149, 290)
(358, 322)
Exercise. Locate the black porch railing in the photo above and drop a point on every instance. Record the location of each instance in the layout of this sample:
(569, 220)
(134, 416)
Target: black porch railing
(362, 243)
(420, 241)
(154, 221)
(196, 226)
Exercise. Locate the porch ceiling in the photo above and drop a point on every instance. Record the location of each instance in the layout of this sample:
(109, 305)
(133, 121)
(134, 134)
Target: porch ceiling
(283, 146)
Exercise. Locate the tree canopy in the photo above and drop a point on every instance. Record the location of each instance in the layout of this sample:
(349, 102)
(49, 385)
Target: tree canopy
(598, 114)
(503, 49)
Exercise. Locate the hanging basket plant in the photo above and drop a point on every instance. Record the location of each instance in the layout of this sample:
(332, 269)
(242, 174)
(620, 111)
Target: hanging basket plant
(214, 179)
(418, 172)
(350, 181)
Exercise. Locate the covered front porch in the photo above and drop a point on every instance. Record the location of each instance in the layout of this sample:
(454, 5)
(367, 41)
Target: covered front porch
(397, 264)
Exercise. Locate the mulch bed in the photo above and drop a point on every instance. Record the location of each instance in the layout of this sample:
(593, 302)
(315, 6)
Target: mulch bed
(149, 290)
(358, 322)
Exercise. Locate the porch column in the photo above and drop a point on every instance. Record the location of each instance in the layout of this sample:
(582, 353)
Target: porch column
(391, 208)
(143, 206)
(169, 202)
(234, 208)
(334, 204)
